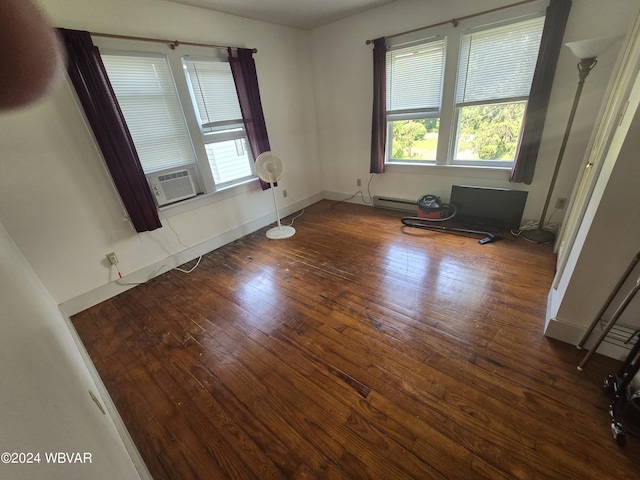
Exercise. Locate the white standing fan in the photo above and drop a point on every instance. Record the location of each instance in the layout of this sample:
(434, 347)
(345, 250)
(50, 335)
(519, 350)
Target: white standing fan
(270, 169)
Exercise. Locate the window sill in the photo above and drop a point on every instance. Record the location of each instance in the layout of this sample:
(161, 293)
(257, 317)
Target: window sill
(501, 173)
(204, 199)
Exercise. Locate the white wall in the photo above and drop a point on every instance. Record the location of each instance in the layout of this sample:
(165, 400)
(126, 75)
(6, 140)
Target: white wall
(607, 240)
(46, 406)
(343, 72)
(56, 199)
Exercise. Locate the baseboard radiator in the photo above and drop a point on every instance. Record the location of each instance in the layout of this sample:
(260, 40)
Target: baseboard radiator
(396, 204)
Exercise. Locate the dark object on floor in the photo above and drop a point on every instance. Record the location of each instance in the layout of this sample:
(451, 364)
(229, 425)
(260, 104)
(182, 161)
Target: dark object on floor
(624, 410)
(417, 222)
(432, 212)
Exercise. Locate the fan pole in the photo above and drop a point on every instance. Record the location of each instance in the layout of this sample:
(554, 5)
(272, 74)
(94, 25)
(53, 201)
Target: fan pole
(275, 203)
(279, 232)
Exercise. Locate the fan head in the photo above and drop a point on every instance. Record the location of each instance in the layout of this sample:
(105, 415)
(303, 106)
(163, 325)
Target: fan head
(269, 167)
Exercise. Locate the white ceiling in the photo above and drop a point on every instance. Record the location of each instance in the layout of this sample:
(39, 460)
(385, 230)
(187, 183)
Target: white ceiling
(307, 14)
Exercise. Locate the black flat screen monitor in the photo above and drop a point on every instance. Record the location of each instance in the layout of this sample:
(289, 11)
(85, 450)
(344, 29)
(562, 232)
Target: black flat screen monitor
(490, 208)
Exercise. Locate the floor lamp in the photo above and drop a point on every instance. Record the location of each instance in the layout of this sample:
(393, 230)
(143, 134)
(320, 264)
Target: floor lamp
(587, 51)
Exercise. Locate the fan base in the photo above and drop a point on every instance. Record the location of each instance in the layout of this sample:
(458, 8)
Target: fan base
(284, 231)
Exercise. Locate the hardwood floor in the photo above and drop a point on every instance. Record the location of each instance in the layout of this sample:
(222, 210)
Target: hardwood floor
(356, 349)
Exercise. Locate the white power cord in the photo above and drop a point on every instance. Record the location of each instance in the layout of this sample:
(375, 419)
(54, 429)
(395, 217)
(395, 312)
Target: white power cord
(367, 202)
(121, 280)
(533, 225)
(296, 217)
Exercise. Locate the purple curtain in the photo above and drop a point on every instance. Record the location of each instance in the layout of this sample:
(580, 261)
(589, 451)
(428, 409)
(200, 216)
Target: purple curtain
(550, 45)
(379, 117)
(243, 68)
(100, 105)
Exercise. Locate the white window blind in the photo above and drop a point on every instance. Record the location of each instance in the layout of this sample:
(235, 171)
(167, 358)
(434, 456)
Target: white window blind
(148, 99)
(498, 63)
(214, 92)
(414, 77)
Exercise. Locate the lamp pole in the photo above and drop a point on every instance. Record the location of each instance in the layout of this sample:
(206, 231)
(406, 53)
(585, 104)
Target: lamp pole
(540, 235)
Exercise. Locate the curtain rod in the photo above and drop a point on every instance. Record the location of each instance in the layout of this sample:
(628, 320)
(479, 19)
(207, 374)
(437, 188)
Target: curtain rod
(172, 43)
(454, 21)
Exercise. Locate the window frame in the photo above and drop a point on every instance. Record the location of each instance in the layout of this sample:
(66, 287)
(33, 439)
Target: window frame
(447, 134)
(157, 58)
(415, 113)
(236, 133)
(208, 190)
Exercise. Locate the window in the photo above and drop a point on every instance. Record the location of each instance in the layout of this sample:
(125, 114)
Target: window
(150, 104)
(220, 119)
(414, 96)
(467, 115)
(495, 70)
(182, 112)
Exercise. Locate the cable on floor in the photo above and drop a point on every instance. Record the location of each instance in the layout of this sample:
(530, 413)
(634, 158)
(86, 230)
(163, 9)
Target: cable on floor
(369, 202)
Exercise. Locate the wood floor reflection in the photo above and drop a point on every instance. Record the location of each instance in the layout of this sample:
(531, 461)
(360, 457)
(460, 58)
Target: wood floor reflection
(356, 349)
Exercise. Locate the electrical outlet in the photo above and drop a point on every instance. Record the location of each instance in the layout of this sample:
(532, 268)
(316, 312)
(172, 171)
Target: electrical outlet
(359, 182)
(284, 193)
(112, 258)
(561, 203)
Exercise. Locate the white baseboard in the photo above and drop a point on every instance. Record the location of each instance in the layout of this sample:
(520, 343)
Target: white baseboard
(100, 294)
(572, 334)
(563, 331)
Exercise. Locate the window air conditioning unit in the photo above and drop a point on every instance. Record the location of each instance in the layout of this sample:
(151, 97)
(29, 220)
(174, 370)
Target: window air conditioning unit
(170, 186)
